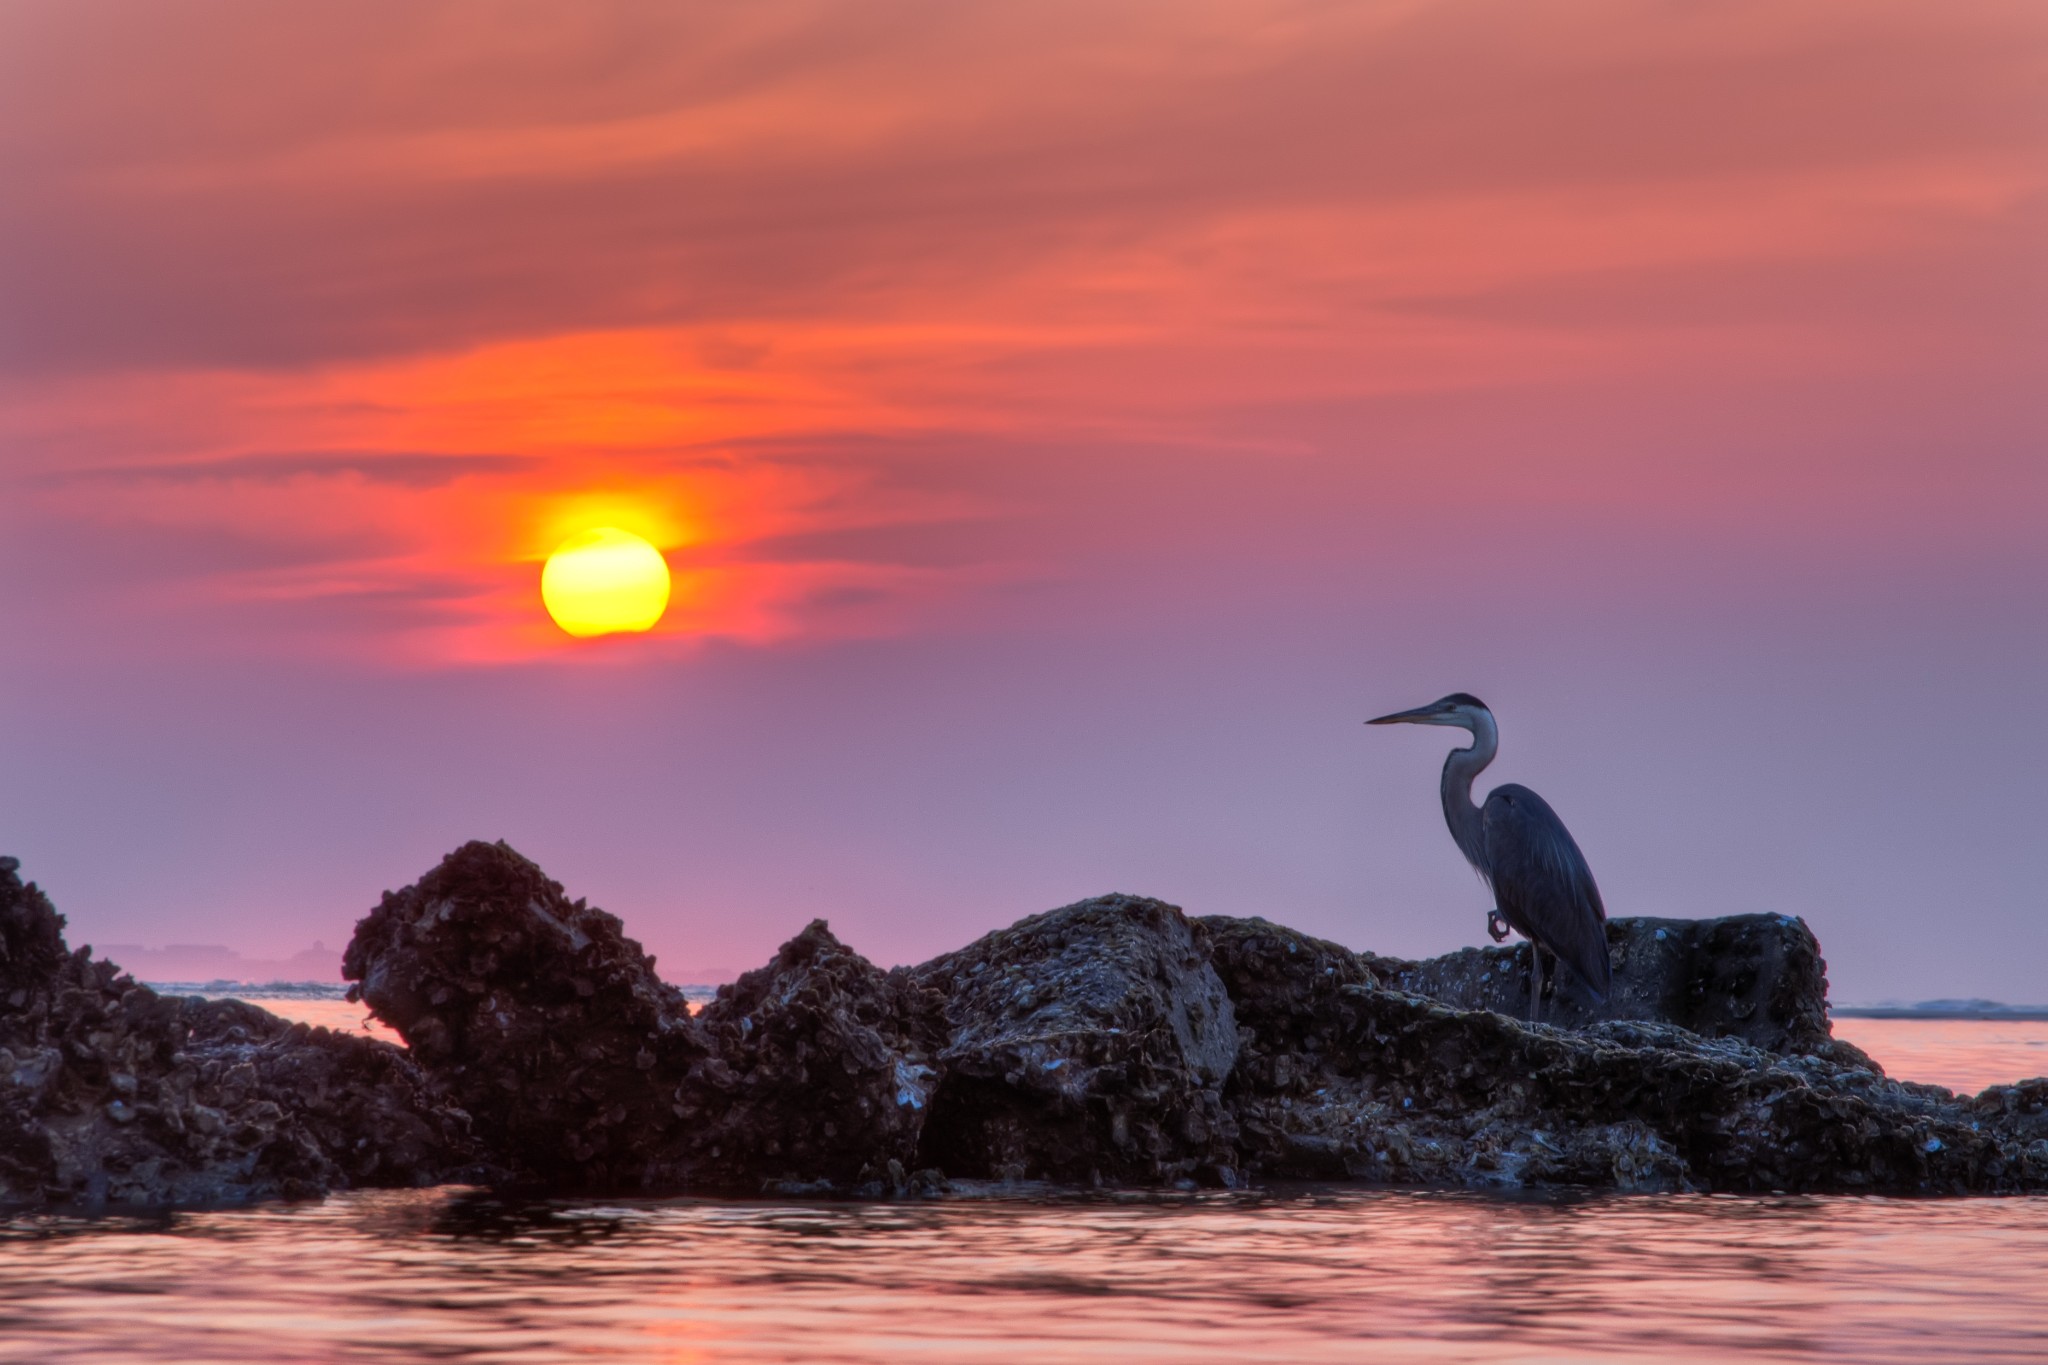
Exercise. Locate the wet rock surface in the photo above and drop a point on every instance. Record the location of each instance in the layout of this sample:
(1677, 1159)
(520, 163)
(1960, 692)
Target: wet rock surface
(113, 1094)
(1113, 1041)
(1352, 1079)
(1757, 978)
(537, 1015)
(816, 1073)
(1087, 1044)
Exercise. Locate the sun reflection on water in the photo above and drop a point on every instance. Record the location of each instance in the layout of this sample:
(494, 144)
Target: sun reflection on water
(1302, 1275)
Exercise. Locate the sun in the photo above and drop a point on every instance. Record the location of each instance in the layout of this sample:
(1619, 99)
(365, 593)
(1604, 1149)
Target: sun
(604, 581)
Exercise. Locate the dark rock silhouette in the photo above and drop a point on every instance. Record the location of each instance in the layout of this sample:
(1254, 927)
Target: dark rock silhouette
(537, 1015)
(1758, 978)
(113, 1094)
(1348, 1079)
(1114, 1041)
(816, 1075)
(541, 1018)
(1085, 1044)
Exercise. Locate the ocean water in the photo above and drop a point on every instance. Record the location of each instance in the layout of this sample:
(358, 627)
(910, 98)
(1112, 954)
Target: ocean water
(326, 1006)
(1963, 1054)
(1296, 1275)
(1304, 1274)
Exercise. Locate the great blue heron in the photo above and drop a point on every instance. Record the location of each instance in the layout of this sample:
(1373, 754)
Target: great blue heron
(1540, 880)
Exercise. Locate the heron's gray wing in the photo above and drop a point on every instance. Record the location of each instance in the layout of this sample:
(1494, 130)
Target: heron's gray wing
(1543, 884)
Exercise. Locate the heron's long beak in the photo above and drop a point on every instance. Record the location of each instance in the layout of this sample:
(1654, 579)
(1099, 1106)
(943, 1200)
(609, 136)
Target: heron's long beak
(1421, 715)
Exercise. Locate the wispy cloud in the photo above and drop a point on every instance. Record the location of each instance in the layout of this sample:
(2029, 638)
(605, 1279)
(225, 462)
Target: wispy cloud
(797, 290)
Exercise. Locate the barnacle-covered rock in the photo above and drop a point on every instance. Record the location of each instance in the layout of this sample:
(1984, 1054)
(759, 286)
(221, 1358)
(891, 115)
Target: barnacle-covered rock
(1090, 1043)
(537, 1015)
(1353, 1079)
(814, 1073)
(111, 1093)
(1110, 1041)
(1758, 978)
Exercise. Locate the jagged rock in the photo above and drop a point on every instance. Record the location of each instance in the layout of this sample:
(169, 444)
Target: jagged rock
(587, 1071)
(1111, 1041)
(1116, 1041)
(2020, 1108)
(1360, 1081)
(1284, 988)
(537, 1015)
(1757, 978)
(813, 1074)
(113, 1094)
(1088, 1043)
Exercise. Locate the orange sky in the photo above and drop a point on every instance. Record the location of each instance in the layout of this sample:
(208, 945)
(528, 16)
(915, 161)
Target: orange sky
(1032, 327)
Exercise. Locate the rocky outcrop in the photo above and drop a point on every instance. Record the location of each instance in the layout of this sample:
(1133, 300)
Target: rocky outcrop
(1757, 978)
(817, 1075)
(1347, 1078)
(1086, 1044)
(537, 1015)
(113, 1094)
(1114, 1041)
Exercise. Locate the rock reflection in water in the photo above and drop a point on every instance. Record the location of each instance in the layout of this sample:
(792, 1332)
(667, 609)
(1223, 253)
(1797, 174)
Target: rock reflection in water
(1299, 1276)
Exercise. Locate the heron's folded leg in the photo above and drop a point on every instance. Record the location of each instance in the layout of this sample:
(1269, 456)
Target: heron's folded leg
(1497, 926)
(1535, 983)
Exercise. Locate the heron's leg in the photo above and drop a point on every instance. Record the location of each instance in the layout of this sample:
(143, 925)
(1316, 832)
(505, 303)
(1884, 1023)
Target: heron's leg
(1535, 983)
(1496, 926)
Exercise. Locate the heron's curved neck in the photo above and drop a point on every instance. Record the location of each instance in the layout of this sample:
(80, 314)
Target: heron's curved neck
(1467, 826)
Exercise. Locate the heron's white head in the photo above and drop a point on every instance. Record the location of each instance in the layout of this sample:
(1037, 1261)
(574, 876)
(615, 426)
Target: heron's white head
(1461, 709)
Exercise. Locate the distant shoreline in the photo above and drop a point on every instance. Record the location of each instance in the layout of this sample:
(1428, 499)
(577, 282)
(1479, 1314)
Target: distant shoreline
(1989, 1011)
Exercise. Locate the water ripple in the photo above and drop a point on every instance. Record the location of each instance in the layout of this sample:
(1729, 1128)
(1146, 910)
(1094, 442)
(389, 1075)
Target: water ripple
(1307, 1275)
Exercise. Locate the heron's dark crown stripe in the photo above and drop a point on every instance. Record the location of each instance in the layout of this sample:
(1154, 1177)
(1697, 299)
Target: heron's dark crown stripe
(1464, 699)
